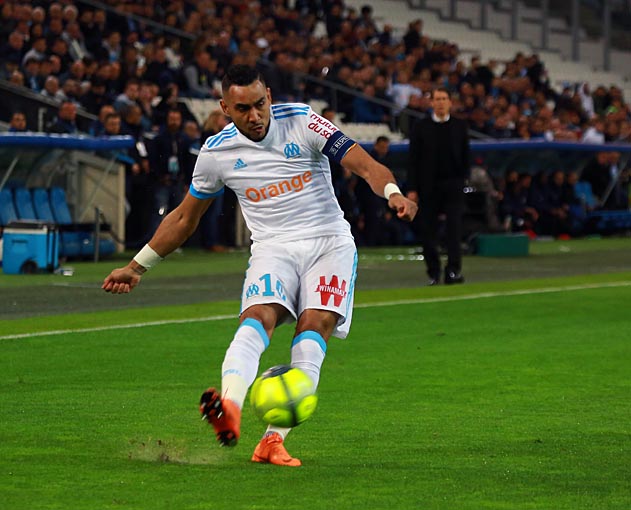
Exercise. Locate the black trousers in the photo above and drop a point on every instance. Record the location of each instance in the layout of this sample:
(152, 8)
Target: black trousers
(447, 198)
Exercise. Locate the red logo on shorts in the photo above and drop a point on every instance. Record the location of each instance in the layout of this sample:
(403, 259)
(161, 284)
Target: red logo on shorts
(333, 288)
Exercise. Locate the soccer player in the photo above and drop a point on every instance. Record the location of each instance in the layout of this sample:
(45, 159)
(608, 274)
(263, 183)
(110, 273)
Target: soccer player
(303, 257)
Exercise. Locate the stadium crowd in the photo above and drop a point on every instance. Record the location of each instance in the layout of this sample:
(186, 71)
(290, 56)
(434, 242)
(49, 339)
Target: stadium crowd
(130, 65)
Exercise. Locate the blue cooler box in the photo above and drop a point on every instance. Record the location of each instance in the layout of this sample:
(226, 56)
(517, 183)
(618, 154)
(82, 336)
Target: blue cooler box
(29, 247)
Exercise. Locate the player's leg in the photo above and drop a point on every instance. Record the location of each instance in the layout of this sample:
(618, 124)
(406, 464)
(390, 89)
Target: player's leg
(264, 305)
(239, 369)
(325, 306)
(307, 353)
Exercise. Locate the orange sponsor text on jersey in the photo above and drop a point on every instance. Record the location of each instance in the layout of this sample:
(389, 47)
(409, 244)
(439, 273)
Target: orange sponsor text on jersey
(296, 184)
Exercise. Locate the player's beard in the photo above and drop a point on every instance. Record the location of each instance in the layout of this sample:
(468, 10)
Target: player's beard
(257, 132)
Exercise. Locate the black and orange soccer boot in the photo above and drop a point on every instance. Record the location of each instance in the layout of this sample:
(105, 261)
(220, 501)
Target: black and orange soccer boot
(224, 415)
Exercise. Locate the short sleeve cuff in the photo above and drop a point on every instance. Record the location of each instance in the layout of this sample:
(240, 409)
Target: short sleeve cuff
(204, 196)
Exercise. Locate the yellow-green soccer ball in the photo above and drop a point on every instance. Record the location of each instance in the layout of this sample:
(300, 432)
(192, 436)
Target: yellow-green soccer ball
(283, 396)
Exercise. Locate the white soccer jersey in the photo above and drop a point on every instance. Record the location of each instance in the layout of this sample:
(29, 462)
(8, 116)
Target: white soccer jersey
(283, 182)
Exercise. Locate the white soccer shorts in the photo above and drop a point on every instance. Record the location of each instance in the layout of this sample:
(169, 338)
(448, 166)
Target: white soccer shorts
(317, 273)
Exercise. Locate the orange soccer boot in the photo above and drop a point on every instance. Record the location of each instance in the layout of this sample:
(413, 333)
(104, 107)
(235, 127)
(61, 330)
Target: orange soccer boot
(223, 415)
(270, 450)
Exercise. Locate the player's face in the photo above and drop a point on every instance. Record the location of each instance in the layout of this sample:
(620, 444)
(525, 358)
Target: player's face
(249, 108)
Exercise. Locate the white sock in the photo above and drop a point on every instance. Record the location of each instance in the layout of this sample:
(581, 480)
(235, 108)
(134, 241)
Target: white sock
(307, 353)
(241, 363)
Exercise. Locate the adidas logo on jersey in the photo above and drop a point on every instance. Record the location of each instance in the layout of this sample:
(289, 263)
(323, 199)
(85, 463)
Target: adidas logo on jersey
(239, 164)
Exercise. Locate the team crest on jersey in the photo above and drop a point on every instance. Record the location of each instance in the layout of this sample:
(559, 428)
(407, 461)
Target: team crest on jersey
(291, 150)
(332, 289)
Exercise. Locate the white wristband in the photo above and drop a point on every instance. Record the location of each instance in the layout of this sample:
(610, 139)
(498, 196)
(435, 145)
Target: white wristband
(147, 257)
(390, 189)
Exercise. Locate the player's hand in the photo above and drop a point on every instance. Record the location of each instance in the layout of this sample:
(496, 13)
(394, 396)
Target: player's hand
(121, 280)
(406, 209)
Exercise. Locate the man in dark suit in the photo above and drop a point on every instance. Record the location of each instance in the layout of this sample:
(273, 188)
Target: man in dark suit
(439, 166)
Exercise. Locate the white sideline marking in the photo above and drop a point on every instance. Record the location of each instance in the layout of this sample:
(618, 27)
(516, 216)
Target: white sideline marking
(482, 295)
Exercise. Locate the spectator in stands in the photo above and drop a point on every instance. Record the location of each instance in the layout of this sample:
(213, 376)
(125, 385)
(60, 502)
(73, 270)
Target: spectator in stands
(131, 125)
(167, 158)
(334, 19)
(595, 133)
(75, 41)
(158, 70)
(366, 20)
(170, 101)
(419, 107)
(200, 76)
(7, 67)
(111, 48)
(13, 50)
(438, 167)
(66, 122)
(59, 48)
(55, 65)
(129, 95)
(31, 71)
(96, 97)
(612, 130)
(72, 90)
(17, 124)
(76, 72)
(17, 78)
(367, 111)
(625, 131)
(343, 98)
(70, 14)
(37, 51)
(54, 30)
(413, 38)
(97, 128)
(93, 33)
(401, 90)
(38, 15)
(146, 95)
(52, 90)
(501, 128)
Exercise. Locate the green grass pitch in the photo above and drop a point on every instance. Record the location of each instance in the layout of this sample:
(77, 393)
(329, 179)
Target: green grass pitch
(510, 392)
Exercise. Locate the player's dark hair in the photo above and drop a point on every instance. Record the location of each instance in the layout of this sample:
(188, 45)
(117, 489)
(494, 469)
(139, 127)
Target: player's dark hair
(240, 75)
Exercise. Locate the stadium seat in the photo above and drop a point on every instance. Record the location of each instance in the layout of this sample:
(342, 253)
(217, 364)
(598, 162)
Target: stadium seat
(7, 207)
(24, 204)
(70, 241)
(84, 231)
(41, 205)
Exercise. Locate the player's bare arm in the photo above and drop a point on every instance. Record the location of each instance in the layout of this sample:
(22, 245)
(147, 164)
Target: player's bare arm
(176, 228)
(380, 179)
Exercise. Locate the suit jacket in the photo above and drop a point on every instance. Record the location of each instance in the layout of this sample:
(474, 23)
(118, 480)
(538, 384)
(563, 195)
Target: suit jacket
(424, 172)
